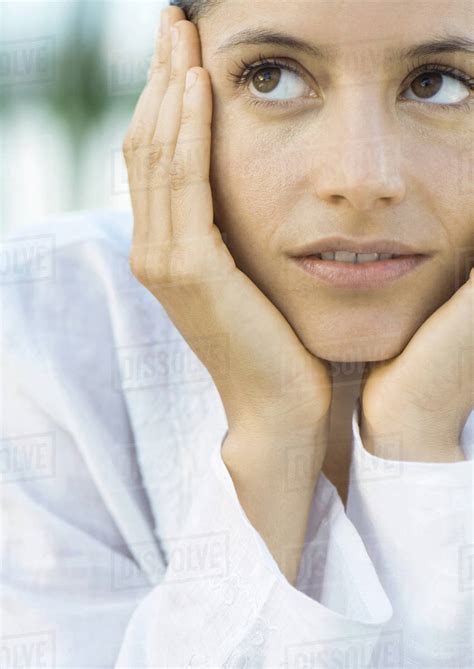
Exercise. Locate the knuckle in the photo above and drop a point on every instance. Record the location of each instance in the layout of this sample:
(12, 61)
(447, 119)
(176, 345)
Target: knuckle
(135, 138)
(139, 134)
(188, 115)
(148, 269)
(174, 78)
(127, 145)
(136, 266)
(156, 154)
(167, 266)
(178, 176)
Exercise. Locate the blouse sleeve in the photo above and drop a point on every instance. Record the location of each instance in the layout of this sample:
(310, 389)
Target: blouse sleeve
(84, 578)
(416, 520)
(228, 602)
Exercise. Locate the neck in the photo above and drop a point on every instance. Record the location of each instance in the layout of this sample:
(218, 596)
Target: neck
(346, 379)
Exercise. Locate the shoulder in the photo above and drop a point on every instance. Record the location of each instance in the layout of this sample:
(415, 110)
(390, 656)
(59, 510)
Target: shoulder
(75, 228)
(66, 282)
(46, 256)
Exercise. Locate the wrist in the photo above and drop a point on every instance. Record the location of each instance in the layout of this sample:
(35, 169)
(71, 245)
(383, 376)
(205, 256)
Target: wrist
(276, 456)
(274, 479)
(411, 443)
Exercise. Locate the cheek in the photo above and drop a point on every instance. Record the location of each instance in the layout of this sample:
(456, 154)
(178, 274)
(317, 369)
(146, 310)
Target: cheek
(441, 177)
(250, 184)
(445, 185)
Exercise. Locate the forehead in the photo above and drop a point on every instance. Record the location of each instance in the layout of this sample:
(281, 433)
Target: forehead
(337, 28)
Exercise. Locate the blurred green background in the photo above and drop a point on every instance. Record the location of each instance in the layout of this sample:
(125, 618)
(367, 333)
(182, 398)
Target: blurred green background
(70, 75)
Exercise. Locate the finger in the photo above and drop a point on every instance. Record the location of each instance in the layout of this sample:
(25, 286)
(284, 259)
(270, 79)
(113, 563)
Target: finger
(191, 197)
(145, 116)
(162, 32)
(146, 110)
(168, 17)
(142, 127)
(186, 54)
(136, 145)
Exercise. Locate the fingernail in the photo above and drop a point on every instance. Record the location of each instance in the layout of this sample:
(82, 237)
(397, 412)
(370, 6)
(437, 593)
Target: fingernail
(174, 37)
(191, 76)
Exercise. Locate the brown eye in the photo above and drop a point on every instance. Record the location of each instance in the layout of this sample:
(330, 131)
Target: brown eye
(277, 83)
(447, 87)
(427, 84)
(272, 83)
(267, 79)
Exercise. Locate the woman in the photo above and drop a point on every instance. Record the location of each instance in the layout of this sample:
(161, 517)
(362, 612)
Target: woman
(304, 517)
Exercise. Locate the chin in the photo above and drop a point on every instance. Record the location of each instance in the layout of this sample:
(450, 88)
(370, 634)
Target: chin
(355, 335)
(367, 354)
(373, 347)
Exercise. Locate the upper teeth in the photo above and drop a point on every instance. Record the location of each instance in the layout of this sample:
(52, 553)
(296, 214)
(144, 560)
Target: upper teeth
(348, 256)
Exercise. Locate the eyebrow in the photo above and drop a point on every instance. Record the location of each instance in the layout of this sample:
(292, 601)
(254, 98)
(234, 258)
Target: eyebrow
(256, 36)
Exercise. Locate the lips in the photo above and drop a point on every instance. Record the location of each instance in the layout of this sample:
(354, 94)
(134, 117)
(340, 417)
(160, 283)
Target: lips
(360, 276)
(357, 245)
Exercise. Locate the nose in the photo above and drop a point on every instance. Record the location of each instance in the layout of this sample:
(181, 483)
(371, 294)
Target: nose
(362, 162)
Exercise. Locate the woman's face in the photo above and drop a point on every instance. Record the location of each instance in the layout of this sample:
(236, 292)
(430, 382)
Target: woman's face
(356, 145)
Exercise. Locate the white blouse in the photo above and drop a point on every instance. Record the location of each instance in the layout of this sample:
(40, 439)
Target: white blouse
(123, 540)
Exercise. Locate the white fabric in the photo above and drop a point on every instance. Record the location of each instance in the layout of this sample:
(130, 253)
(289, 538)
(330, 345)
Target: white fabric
(123, 540)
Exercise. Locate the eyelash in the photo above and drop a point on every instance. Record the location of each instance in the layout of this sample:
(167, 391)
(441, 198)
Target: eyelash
(246, 70)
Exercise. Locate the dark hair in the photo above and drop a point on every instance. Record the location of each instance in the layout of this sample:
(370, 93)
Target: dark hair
(195, 9)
